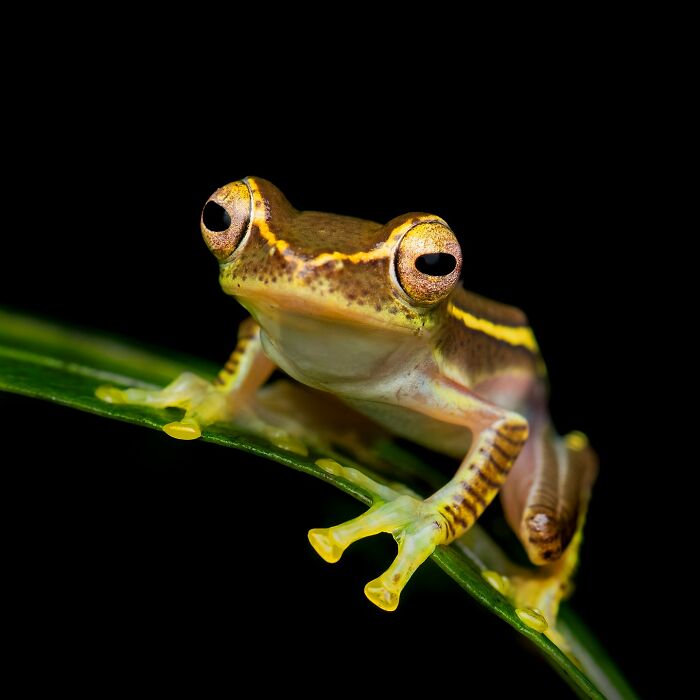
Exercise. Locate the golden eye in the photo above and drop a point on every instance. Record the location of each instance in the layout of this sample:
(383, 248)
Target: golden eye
(428, 262)
(226, 218)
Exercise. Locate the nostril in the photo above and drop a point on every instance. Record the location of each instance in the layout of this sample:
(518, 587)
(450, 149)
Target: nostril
(215, 217)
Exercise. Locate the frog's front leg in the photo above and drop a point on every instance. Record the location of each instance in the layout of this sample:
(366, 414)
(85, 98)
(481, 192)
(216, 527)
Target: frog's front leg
(420, 525)
(206, 402)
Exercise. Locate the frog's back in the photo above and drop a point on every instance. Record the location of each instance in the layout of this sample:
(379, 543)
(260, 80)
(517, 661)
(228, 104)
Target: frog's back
(494, 311)
(490, 347)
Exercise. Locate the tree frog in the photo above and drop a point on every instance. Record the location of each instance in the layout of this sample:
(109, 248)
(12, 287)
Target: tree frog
(377, 316)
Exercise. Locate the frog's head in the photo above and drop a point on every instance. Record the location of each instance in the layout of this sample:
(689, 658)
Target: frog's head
(326, 266)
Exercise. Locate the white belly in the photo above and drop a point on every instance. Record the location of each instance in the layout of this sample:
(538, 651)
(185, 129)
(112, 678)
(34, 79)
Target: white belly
(446, 438)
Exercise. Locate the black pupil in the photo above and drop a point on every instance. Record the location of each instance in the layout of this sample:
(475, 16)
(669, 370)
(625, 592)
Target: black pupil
(215, 217)
(436, 264)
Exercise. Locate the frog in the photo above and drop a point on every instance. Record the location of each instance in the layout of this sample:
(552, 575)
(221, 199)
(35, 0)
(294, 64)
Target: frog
(377, 317)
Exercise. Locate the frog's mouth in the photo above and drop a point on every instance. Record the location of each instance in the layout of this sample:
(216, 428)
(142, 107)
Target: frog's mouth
(393, 315)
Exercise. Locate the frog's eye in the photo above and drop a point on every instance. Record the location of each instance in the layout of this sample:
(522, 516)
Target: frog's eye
(428, 262)
(215, 217)
(226, 218)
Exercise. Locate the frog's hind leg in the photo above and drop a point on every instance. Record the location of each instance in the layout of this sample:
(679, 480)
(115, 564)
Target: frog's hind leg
(321, 421)
(545, 500)
(547, 490)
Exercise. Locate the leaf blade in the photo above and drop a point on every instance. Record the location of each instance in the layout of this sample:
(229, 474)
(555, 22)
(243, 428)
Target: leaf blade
(44, 361)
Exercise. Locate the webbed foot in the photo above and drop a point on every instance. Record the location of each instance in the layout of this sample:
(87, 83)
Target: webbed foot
(416, 526)
(537, 594)
(203, 403)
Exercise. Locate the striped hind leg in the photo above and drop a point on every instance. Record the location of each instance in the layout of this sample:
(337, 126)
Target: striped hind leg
(545, 500)
(547, 492)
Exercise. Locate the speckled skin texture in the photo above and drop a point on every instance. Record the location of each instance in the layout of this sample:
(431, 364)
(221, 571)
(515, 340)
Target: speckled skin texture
(340, 266)
(375, 315)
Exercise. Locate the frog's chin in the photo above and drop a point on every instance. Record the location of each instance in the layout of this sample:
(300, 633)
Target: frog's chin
(325, 351)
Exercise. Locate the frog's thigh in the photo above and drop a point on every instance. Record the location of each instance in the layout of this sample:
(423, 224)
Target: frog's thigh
(319, 419)
(547, 491)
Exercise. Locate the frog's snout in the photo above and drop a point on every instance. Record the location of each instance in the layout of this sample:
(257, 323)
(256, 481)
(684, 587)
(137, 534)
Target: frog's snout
(225, 219)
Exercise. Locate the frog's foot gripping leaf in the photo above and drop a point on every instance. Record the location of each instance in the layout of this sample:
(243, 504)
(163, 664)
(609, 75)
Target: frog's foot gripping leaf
(203, 403)
(537, 593)
(416, 526)
(547, 587)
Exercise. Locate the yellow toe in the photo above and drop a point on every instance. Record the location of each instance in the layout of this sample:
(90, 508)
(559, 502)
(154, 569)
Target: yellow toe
(326, 547)
(110, 394)
(499, 582)
(381, 596)
(183, 430)
(533, 618)
(291, 444)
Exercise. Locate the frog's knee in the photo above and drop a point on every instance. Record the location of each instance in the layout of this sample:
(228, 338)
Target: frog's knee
(542, 535)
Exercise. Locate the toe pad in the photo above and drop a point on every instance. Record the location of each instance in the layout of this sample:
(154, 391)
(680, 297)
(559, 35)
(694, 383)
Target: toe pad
(110, 394)
(381, 596)
(325, 545)
(183, 430)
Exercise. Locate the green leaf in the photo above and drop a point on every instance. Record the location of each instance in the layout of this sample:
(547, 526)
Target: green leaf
(45, 361)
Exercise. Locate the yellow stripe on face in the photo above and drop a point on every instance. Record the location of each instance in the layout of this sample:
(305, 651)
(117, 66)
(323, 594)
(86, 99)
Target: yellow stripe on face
(381, 251)
(521, 336)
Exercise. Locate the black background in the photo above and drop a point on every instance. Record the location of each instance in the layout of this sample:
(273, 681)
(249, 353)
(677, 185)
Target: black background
(133, 550)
